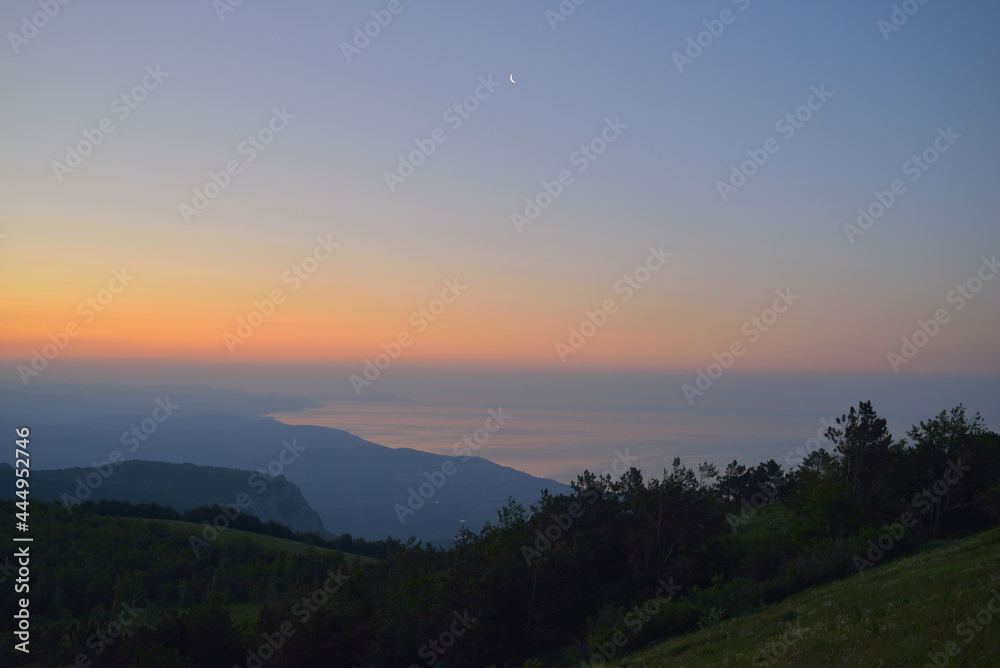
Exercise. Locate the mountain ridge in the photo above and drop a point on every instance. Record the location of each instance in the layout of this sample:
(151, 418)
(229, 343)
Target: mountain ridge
(354, 485)
(180, 486)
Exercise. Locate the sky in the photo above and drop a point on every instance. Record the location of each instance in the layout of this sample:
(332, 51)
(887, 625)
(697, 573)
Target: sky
(349, 196)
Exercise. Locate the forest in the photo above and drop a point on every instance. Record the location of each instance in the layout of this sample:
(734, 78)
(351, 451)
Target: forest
(572, 580)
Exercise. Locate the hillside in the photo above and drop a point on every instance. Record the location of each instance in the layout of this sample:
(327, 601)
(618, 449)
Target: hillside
(260, 542)
(902, 614)
(180, 486)
(88, 568)
(581, 579)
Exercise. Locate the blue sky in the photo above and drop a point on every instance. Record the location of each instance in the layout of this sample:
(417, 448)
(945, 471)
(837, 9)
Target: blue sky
(656, 184)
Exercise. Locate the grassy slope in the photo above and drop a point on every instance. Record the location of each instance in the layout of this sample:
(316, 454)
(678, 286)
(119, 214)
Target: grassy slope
(892, 615)
(244, 614)
(263, 542)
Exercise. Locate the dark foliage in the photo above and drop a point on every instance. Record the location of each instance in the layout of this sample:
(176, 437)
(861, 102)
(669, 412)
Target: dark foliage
(633, 558)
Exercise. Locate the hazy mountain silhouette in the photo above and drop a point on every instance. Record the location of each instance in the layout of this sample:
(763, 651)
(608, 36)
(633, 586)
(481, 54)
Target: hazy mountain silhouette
(180, 486)
(354, 485)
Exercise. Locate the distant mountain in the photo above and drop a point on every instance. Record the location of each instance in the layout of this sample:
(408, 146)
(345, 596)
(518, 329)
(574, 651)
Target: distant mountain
(373, 491)
(355, 486)
(180, 486)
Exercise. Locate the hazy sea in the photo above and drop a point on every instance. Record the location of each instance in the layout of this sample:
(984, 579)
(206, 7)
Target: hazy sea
(559, 442)
(558, 429)
(566, 419)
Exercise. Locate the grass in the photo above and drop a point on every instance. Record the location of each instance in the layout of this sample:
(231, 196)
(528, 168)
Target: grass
(262, 541)
(269, 543)
(892, 615)
(768, 521)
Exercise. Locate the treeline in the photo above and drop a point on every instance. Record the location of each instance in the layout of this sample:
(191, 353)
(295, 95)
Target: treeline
(585, 577)
(243, 522)
(90, 572)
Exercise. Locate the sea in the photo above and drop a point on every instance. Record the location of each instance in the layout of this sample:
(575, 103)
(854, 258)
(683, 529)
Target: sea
(557, 428)
(560, 442)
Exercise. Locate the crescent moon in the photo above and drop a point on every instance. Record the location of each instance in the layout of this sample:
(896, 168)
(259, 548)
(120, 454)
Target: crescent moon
(512, 79)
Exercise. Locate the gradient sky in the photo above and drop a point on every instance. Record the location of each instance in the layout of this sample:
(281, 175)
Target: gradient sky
(656, 185)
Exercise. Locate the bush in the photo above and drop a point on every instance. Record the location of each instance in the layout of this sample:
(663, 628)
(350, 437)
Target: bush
(824, 560)
(679, 616)
(735, 596)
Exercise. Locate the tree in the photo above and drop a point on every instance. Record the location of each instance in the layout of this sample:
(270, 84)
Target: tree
(952, 465)
(866, 453)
